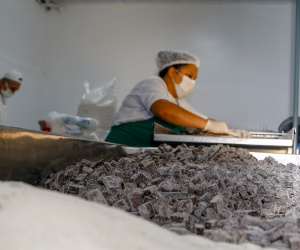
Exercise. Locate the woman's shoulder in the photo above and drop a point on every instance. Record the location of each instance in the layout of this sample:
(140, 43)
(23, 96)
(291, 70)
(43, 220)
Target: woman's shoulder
(151, 82)
(150, 79)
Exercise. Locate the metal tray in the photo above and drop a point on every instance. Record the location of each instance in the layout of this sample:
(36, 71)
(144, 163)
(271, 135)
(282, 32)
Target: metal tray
(32, 155)
(257, 142)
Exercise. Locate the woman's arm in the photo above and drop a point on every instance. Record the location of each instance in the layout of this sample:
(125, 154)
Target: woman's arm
(177, 115)
(173, 113)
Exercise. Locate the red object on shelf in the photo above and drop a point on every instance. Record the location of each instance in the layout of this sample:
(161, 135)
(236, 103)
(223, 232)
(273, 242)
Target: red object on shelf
(44, 126)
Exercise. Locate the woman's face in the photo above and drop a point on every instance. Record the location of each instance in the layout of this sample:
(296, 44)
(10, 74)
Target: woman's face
(189, 70)
(13, 85)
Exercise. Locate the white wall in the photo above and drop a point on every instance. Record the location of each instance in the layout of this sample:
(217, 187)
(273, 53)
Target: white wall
(246, 51)
(23, 44)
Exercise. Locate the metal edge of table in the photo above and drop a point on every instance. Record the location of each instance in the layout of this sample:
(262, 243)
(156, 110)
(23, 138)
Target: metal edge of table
(223, 140)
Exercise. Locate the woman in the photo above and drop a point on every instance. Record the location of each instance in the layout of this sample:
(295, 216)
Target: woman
(9, 84)
(160, 99)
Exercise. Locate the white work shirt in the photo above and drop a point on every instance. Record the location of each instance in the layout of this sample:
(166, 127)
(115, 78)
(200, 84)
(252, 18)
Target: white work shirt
(2, 110)
(136, 105)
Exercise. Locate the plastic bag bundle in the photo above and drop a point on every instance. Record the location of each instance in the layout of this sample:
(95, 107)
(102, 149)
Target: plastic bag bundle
(101, 104)
(69, 125)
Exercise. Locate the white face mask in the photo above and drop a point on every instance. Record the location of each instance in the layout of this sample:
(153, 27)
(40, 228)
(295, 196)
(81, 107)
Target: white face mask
(185, 87)
(6, 93)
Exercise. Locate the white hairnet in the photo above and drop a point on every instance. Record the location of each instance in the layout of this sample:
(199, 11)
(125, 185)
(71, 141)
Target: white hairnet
(166, 58)
(14, 75)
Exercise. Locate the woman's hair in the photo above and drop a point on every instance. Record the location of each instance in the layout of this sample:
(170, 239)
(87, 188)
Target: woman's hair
(165, 70)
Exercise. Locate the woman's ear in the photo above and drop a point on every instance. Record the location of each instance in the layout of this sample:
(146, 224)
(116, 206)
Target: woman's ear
(172, 72)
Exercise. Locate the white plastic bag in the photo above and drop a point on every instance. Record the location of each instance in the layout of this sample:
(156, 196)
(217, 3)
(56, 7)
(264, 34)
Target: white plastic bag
(84, 127)
(101, 104)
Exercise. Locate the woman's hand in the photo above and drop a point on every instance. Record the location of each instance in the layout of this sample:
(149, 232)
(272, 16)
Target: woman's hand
(219, 127)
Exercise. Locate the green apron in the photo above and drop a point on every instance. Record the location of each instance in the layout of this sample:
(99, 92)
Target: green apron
(137, 134)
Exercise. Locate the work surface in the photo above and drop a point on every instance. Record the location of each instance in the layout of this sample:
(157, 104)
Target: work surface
(30, 156)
